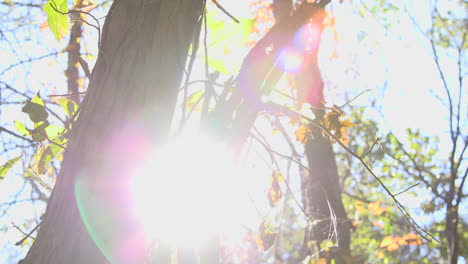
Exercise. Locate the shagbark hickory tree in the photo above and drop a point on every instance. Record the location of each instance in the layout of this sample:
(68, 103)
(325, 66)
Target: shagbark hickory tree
(133, 90)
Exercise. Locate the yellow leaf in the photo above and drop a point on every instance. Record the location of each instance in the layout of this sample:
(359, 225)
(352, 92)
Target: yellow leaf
(347, 123)
(303, 133)
(359, 206)
(274, 192)
(376, 209)
(381, 254)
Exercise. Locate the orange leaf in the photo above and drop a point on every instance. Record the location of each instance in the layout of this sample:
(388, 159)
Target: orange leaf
(393, 247)
(322, 261)
(378, 224)
(412, 239)
(376, 209)
(82, 4)
(267, 237)
(303, 133)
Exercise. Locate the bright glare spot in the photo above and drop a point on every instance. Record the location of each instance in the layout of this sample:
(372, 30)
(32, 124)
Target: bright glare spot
(290, 60)
(190, 191)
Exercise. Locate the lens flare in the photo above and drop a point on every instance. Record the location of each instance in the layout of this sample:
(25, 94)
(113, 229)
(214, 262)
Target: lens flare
(133, 193)
(290, 60)
(189, 192)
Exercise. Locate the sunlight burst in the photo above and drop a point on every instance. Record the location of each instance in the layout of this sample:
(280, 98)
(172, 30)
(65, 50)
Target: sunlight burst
(189, 191)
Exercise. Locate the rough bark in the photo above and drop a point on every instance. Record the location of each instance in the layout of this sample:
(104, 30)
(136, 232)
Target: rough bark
(451, 233)
(321, 186)
(136, 79)
(73, 50)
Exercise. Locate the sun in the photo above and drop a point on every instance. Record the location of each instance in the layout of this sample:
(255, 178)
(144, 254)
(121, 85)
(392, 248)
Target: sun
(189, 191)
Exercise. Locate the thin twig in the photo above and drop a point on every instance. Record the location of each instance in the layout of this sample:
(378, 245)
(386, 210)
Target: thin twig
(27, 235)
(65, 95)
(355, 97)
(370, 149)
(225, 11)
(407, 189)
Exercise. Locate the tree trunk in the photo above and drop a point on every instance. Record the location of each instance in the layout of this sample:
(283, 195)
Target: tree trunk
(451, 233)
(322, 195)
(321, 187)
(128, 106)
(73, 50)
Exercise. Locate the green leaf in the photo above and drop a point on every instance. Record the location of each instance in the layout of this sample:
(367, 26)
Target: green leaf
(224, 36)
(53, 131)
(219, 65)
(58, 22)
(228, 33)
(7, 166)
(21, 128)
(39, 133)
(46, 155)
(29, 173)
(69, 106)
(36, 110)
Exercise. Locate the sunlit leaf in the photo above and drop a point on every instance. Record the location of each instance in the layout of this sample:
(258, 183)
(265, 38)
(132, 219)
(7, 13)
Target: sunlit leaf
(58, 23)
(333, 123)
(303, 133)
(226, 36)
(359, 206)
(46, 154)
(376, 209)
(194, 99)
(267, 236)
(21, 128)
(82, 3)
(228, 32)
(322, 261)
(53, 131)
(7, 166)
(393, 247)
(29, 173)
(274, 192)
(69, 106)
(378, 224)
(386, 241)
(412, 239)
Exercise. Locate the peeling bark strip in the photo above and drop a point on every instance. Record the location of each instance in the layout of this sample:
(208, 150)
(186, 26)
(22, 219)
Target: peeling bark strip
(140, 65)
